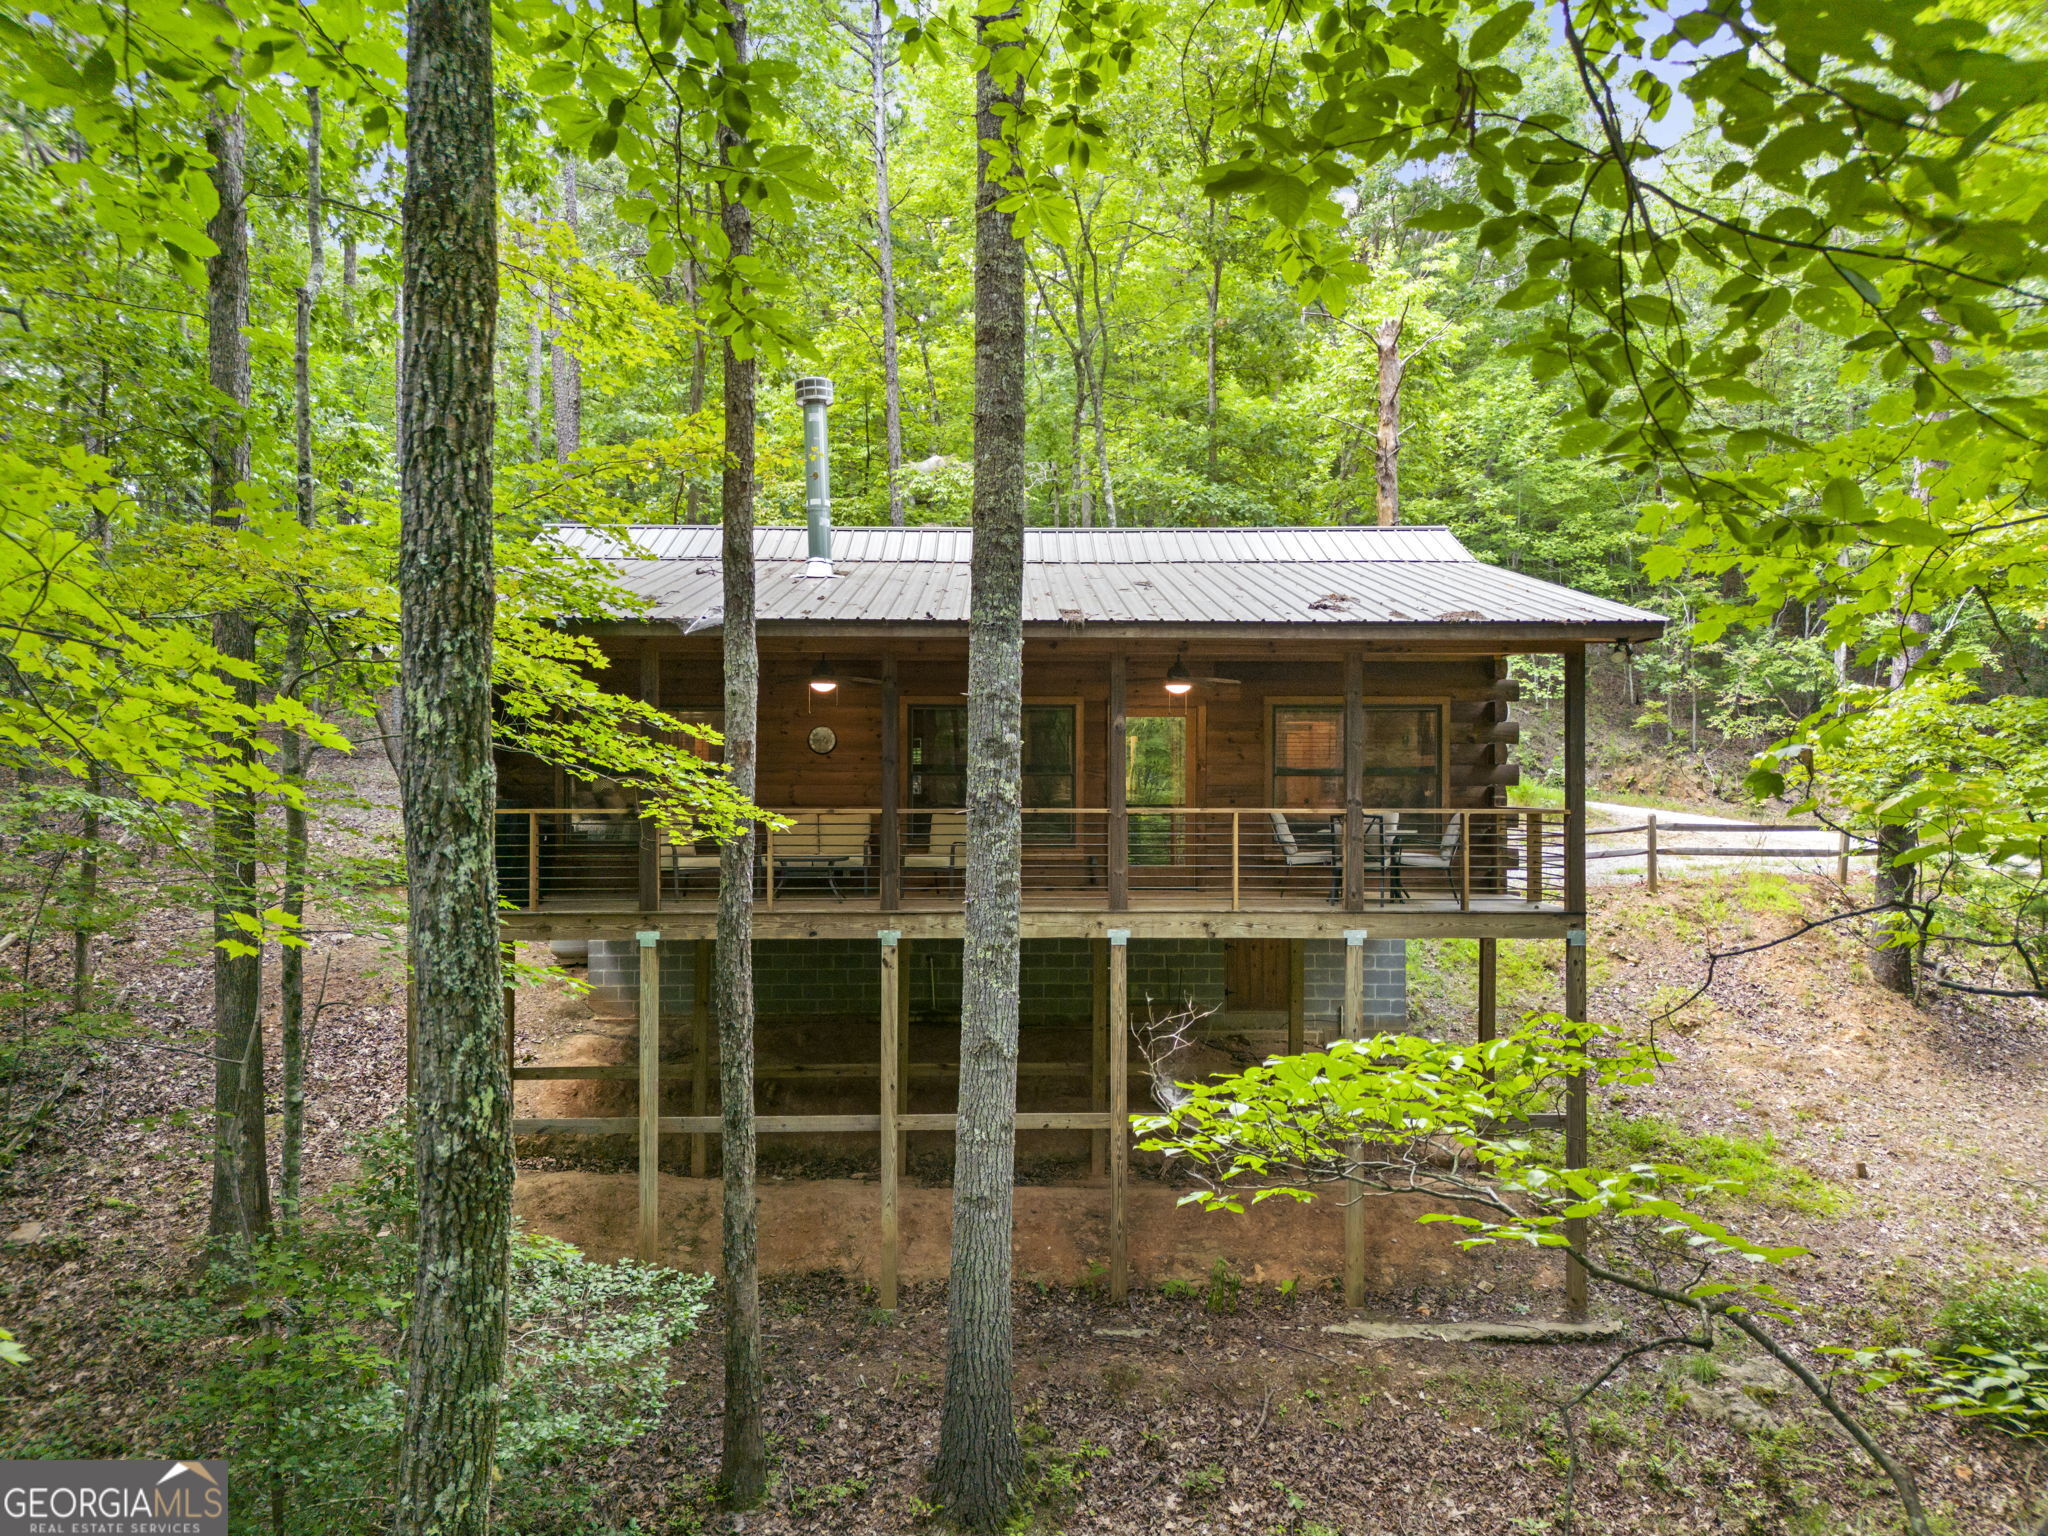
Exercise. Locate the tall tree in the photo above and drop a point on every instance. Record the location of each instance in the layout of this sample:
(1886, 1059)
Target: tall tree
(291, 963)
(878, 36)
(240, 1205)
(1386, 448)
(980, 1457)
(743, 1463)
(456, 1345)
(568, 371)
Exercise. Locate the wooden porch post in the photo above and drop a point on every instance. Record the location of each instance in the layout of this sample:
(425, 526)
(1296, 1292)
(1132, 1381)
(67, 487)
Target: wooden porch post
(649, 1106)
(1119, 829)
(1119, 1111)
(1354, 1207)
(1575, 940)
(1098, 1058)
(650, 834)
(1489, 987)
(1297, 996)
(892, 756)
(700, 1053)
(892, 982)
(1354, 782)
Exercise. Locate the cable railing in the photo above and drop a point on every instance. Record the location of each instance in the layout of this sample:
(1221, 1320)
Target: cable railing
(1209, 858)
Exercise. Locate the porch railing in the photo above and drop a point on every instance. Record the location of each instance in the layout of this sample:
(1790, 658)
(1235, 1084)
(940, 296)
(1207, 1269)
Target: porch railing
(1208, 857)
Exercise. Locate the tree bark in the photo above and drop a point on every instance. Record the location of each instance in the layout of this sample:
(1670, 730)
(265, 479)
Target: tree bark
(885, 260)
(980, 1459)
(743, 1460)
(1215, 304)
(291, 963)
(1386, 450)
(568, 373)
(240, 1204)
(456, 1345)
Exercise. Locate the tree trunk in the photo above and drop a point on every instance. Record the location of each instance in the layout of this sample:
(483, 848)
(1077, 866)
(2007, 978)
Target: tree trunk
(240, 1205)
(1084, 484)
(536, 375)
(885, 259)
(1386, 450)
(698, 360)
(455, 1350)
(980, 1459)
(1215, 304)
(568, 372)
(743, 1460)
(291, 963)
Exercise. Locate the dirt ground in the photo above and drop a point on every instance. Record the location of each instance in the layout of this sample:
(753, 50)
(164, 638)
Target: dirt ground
(1199, 1409)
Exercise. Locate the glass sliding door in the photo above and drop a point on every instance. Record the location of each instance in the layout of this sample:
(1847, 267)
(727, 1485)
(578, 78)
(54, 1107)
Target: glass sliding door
(1155, 774)
(937, 741)
(1402, 756)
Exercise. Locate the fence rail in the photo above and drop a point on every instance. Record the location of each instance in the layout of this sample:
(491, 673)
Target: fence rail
(1654, 851)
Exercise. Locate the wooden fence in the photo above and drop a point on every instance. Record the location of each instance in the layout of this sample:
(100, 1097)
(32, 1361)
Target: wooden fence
(1841, 850)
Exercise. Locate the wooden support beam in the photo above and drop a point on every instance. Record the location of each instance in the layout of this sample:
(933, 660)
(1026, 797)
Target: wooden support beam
(1297, 996)
(1098, 1057)
(650, 833)
(1354, 783)
(817, 1125)
(1354, 1205)
(1575, 1000)
(1489, 987)
(649, 1115)
(1118, 828)
(886, 1100)
(891, 832)
(702, 1035)
(1119, 1112)
(1650, 851)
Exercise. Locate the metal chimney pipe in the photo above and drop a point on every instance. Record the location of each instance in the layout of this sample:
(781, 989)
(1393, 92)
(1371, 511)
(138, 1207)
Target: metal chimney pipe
(814, 394)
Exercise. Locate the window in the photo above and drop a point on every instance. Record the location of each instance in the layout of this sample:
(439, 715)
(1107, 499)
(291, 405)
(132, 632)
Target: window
(1403, 756)
(938, 763)
(697, 746)
(1308, 756)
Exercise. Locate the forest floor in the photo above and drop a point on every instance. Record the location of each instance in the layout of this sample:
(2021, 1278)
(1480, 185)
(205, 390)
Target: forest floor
(1903, 1144)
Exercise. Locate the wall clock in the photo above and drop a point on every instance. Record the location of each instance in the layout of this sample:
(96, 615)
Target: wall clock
(822, 739)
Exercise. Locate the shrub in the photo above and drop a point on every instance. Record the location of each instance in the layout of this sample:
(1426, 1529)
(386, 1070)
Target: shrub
(2008, 1313)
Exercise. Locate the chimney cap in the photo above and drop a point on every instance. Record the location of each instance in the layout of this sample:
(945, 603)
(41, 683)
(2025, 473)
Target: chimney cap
(812, 389)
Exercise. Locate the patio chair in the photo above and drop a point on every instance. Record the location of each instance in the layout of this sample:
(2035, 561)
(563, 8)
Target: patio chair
(828, 843)
(1312, 844)
(945, 844)
(1418, 851)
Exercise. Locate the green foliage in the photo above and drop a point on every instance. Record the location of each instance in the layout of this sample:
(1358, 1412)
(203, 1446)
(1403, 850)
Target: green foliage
(1749, 1170)
(1996, 1312)
(305, 1384)
(2006, 1389)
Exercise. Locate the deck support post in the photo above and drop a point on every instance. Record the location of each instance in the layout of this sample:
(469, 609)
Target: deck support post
(649, 1105)
(1575, 1000)
(650, 832)
(700, 1053)
(1115, 744)
(890, 831)
(1297, 996)
(1098, 1057)
(1119, 1112)
(1354, 1204)
(1489, 988)
(1353, 856)
(892, 982)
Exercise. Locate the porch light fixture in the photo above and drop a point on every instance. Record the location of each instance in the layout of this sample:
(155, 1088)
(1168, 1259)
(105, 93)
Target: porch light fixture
(822, 680)
(1177, 680)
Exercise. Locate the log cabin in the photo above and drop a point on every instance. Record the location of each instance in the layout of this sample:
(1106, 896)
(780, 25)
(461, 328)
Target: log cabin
(1256, 762)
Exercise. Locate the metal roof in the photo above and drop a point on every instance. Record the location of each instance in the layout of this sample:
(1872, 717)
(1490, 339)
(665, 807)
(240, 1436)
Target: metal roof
(1109, 576)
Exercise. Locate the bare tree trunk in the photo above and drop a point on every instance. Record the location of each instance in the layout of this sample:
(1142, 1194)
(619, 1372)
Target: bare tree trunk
(455, 1349)
(348, 283)
(240, 1204)
(980, 1459)
(885, 260)
(698, 359)
(568, 372)
(1099, 378)
(1215, 297)
(743, 1459)
(1084, 483)
(291, 962)
(536, 374)
(1386, 450)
